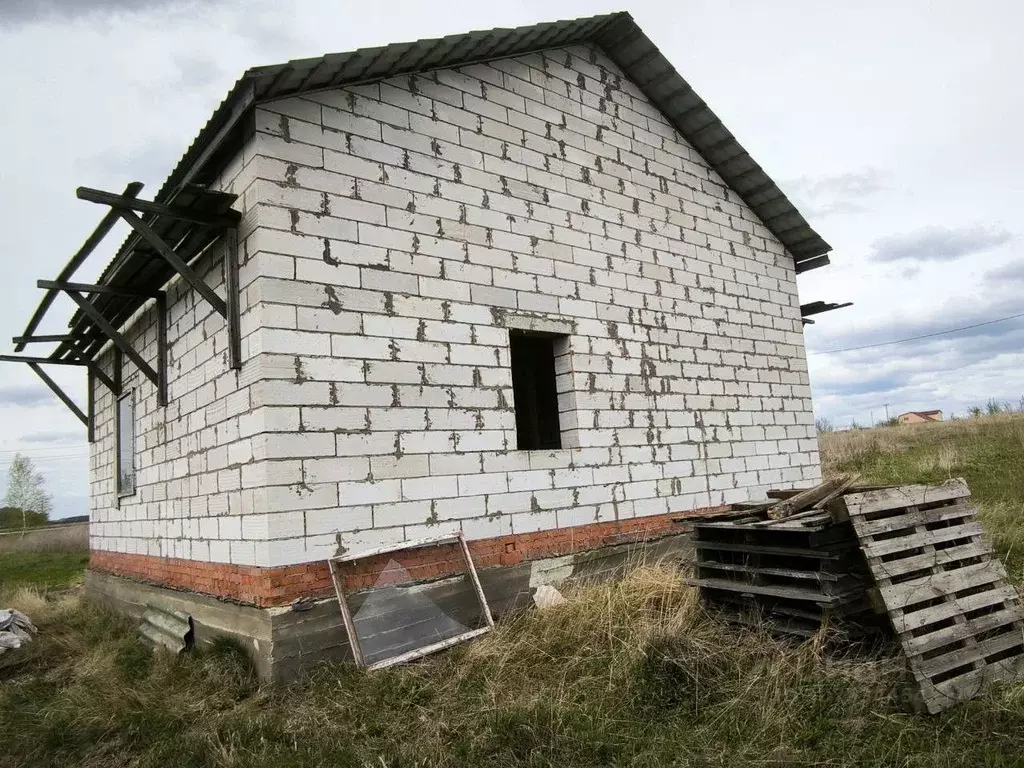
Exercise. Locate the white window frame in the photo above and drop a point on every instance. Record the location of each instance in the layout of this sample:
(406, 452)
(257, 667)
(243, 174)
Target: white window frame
(346, 613)
(122, 492)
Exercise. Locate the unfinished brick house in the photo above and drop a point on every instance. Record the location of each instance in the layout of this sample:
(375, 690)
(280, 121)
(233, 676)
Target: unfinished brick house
(520, 283)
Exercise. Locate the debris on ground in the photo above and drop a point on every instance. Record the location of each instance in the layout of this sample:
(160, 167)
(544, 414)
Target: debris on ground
(844, 553)
(547, 596)
(164, 628)
(15, 629)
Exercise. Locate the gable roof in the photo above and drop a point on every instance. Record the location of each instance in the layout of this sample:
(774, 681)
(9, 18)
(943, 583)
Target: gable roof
(616, 34)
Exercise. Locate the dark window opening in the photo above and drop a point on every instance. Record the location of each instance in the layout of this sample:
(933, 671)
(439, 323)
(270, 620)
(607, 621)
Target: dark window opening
(126, 445)
(535, 392)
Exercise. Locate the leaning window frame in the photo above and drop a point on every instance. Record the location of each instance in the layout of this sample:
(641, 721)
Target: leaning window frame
(346, 613)
(124, 494)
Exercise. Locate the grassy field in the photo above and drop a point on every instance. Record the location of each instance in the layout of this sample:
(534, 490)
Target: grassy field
(625, 674)
(43, 570)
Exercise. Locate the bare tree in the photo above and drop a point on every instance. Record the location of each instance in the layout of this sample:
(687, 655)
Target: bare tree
(25, 489)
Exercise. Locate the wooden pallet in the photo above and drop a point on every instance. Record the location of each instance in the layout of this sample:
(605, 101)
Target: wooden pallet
(959, 622)
(795, 575)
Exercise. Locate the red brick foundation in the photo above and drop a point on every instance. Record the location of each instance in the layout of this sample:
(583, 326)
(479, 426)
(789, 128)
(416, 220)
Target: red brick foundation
(265, 587)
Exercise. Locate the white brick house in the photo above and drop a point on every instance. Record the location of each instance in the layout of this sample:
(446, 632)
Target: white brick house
(534, 287)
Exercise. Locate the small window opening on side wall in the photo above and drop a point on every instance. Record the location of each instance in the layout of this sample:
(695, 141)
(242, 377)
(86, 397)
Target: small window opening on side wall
(535, 389)
(126, 445)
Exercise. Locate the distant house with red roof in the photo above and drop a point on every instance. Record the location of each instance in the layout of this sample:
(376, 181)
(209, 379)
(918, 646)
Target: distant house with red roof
(919, 417)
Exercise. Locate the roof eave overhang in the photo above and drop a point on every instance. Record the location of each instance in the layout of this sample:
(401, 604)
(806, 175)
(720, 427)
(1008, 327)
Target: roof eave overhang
(616, 34)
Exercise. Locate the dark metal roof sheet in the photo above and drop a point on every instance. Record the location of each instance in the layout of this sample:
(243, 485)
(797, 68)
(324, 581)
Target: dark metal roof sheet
(616, 34)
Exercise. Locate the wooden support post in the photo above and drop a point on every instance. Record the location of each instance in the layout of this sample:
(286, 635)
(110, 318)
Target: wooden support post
(98, 374)
(114, 335)
(55, 388)
(232, 291)
(161, 349)
(183, 269)
(90, 405)
(118, 372)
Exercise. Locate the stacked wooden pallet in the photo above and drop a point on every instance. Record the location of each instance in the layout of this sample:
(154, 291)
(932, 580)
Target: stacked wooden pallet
(797, 575)
(960, 624)
(915, 553)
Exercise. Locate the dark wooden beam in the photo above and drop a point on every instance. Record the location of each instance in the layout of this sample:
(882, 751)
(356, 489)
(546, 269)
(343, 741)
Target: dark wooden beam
(41, 361)
(233, 292)
(118, 371)
(90, 406)
(817, 307)
(55, 388)
(104, 227)
(161, 349)
(22, 340)
(114, 335)
(123, 202)
(108, 290)
(94, 369)
(183, 269)
(809, 264)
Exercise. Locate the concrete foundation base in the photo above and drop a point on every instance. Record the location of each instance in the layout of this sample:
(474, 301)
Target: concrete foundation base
(285, 643)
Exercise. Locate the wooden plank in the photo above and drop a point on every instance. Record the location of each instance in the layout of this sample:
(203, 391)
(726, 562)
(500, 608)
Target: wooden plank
(815, 515)
(804, 499)
(921, 539)
(106, 224)
(106, 290)
(727, 546)
(941, 696)
(915, 646)
(904, 622)
(146, 206)
(837, 492)
(858, 504)
(885, 570)
(941, 583)
(789, 573)
(789, 593)
(937, 665)
(912, 517)
(114, 335)
(186, 272)
(55, 388)
(785, 493)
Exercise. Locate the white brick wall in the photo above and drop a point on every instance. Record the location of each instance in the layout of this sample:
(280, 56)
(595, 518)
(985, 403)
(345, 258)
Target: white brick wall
(400, 229)
(199, 459)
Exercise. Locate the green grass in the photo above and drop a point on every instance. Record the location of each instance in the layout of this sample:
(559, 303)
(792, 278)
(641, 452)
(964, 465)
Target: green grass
(624, 674)
(46, 570)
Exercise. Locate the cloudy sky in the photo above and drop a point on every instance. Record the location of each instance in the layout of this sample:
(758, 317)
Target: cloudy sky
(894, 127)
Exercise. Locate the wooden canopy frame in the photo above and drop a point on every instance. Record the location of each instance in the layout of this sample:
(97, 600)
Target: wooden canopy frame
(166, 238)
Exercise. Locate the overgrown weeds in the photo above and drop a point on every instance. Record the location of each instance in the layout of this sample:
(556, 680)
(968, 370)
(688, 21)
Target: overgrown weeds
(627, 673)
